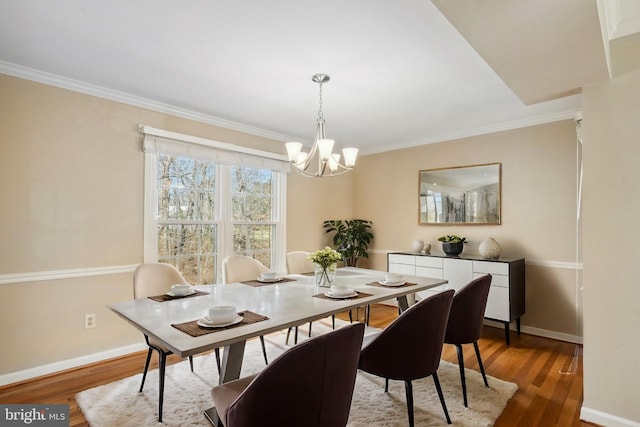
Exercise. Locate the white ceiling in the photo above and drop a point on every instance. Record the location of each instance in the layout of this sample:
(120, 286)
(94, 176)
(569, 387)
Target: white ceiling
(401, 74)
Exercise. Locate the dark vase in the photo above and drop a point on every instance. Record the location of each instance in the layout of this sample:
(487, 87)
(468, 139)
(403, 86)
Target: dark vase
(452, 248)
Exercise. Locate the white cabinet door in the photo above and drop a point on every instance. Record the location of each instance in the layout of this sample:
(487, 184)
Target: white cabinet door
(498, 304)
(491, 267)
(404, 269)
(458, 272)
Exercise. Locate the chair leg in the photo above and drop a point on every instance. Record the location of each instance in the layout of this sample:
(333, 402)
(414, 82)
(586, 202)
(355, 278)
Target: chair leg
(462, 376)
(217, 351)
(484, 377)
(350, 317)
(264, 350)
(333, 321)
(146, 367)
(286, 340)
(408, 388)
(386, 385)
(295, 337)
(191, 362)
(163, 365)
(436, 381)
(310, 323)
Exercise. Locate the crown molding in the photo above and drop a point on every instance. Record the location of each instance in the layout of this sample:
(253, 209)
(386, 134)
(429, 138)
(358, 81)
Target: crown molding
(136, 101)
(484, 130)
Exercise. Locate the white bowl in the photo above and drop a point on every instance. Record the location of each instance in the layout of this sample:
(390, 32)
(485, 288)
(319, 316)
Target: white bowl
(269, 275)
(339, 290)
(392, 278)
(222, 314)
(180, 289)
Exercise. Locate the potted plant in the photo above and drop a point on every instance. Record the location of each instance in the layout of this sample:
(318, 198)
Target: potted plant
(452, 244)
(352, 238)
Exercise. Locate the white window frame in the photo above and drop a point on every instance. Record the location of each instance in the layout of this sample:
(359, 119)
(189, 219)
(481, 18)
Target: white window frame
(163, 141)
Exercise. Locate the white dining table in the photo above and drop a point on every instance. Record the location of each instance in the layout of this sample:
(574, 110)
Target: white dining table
(286, 304)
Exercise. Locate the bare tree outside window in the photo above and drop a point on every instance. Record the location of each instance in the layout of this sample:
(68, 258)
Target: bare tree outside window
(188, 227)
(252, 213)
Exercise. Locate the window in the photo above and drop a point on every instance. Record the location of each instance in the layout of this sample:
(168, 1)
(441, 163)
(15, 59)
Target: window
(203, 204)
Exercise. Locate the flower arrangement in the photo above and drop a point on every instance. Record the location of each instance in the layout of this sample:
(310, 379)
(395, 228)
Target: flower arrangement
(325, 257)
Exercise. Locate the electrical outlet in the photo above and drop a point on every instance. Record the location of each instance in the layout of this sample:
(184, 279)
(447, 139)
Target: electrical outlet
(89, 320)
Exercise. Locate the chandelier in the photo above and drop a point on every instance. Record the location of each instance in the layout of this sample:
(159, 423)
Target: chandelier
(321, 160)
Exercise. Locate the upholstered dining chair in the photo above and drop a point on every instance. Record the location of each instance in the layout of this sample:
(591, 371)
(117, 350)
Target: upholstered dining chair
(241, 268)
(156, 279)
(297, 262)
(411, 346)
(465, 322)
(310, 384)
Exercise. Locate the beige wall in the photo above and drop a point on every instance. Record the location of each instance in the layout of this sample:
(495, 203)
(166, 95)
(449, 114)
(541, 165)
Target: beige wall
(611, 250)
(71, 185)
(310, 201)
(71, 177)
(538, 209)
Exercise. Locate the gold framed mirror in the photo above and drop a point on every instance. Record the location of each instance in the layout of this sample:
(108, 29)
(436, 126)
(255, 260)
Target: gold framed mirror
(460, 195)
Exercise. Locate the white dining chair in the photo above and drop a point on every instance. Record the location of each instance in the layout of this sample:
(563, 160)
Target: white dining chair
(242, 268)
(156, 279)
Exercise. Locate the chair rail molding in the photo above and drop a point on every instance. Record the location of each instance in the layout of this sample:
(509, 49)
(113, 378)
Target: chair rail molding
(40, 276)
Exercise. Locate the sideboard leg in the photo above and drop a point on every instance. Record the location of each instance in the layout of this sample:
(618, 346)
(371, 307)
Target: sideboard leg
(506, 332)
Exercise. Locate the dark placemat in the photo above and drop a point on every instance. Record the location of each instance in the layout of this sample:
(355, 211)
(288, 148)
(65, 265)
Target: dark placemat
(192, 328)
(165, 297)
(378, 284)
(360, 295)
(257, 283)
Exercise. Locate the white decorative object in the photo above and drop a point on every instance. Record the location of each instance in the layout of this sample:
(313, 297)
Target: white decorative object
(426, 249)
(490, 249)
(417, 245)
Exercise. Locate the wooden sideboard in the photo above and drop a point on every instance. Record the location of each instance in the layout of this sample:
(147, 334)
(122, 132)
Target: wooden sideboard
(506, 301)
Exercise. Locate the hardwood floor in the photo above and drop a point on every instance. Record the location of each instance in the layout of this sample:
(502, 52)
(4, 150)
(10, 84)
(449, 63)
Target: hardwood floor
(549, 378)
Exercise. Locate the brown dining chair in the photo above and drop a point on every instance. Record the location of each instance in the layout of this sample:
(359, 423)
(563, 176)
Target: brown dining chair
(242, 268)
(156, 279)
(310, 384)
(465, 322)
(411, 346)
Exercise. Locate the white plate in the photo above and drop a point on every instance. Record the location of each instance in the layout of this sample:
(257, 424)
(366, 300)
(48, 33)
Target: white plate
(206, 324)
(171, 294)
(331, 295)
(385, 283)
(277, 279)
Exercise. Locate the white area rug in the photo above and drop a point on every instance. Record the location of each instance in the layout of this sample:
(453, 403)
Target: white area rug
(187, 394)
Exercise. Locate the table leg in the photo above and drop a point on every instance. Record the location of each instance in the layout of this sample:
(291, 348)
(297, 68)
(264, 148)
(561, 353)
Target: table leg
(229, 371)
(403, 304)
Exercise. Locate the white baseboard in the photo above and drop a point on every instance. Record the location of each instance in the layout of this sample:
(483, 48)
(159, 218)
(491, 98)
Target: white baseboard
(560, 336)
(51, 368)
(604, 419)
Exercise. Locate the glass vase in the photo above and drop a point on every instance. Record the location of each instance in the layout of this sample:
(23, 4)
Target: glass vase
(325, 275)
